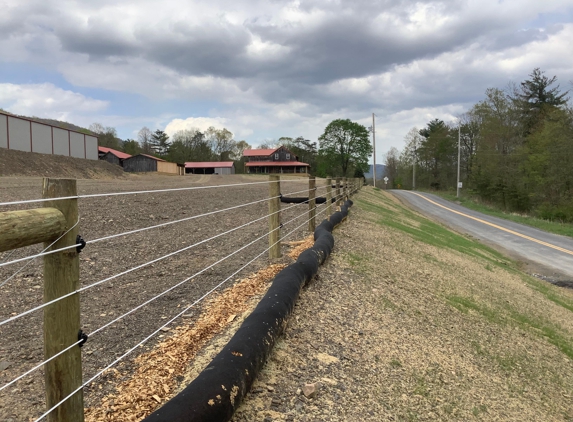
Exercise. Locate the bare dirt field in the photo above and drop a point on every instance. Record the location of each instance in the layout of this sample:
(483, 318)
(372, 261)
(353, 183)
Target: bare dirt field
(21, 340)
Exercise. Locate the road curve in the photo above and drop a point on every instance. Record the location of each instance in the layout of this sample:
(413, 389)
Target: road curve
(548, 251)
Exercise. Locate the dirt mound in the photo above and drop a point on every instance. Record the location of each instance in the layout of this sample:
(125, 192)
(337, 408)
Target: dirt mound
(19, 163)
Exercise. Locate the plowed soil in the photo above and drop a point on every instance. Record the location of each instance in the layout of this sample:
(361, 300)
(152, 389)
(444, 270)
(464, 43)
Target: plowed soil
(21, 340)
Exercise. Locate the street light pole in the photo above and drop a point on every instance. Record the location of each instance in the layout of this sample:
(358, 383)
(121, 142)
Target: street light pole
(374, 147)
(459, 141)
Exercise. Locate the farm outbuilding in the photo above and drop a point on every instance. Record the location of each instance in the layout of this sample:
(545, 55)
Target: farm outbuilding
(112, 156)
(142, 163)
(277, 160)
(210, 167)
(22, 134)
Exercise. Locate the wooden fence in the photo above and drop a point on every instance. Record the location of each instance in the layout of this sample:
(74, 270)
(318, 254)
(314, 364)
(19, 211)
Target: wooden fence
(57, 226)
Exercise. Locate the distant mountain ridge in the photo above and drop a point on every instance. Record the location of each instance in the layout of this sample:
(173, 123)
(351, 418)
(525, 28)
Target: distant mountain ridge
(380, 171)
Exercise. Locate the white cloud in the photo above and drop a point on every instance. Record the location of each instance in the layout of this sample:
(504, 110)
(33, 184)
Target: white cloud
(47, 100)
(269, 69)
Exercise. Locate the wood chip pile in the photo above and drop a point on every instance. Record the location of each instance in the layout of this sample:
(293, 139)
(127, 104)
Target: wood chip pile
(154, 380)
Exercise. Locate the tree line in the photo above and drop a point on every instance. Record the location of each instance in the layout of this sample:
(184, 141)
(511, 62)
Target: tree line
(342, 150)
(516, 148)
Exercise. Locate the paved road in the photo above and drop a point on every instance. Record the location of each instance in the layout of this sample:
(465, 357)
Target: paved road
(551, 254)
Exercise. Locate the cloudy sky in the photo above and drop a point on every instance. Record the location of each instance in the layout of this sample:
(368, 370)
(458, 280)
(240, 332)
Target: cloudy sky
(266, 69)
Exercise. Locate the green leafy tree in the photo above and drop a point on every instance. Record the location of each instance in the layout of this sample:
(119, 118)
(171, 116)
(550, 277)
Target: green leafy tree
(221, 142)
(131, 147)
(190, 145)
(344, 147)
(237, 155)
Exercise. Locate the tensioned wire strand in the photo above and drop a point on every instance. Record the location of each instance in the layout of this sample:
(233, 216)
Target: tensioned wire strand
(47, 247)
(145, 303)
(156, 297)
(159, 329)
(13, 318)
(98, 195)
(44, 253)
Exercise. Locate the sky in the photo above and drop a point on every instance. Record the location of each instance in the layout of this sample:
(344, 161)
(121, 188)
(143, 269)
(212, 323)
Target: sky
(267, 69)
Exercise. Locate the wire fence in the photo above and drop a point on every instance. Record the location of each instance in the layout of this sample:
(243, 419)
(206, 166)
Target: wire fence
(289, 215)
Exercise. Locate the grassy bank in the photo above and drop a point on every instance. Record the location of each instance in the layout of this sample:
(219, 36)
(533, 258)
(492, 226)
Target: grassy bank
(495, 342)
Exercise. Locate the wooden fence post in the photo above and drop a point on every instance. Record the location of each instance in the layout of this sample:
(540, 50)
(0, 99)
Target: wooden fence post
(274, 219)
(328, 197)
(338, 191)
(62, 319)
(344, 189)
(311, 204)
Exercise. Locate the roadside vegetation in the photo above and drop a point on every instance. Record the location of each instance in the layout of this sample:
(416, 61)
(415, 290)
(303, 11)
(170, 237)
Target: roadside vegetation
(474, 203)
(515, 150)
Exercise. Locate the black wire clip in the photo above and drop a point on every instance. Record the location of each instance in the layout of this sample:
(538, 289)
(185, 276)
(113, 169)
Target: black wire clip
(82, 338)
(80, 242)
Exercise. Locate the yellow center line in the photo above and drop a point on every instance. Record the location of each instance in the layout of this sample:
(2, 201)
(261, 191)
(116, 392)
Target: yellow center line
(549, 245)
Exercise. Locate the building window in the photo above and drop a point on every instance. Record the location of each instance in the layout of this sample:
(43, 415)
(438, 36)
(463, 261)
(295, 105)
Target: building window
(288, 156)
(276, 156)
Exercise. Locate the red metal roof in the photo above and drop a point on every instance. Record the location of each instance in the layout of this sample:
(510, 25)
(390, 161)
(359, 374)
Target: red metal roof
(276, 164)
(258, 152)
(207, 164)
(118, 154)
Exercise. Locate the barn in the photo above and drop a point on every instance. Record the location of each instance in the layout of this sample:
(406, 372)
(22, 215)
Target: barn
(142, 163)
(209, 167)
(112, 156)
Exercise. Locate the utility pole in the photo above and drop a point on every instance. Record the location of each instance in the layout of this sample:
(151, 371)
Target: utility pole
(414, 169)
(374, 147)
(459, 142)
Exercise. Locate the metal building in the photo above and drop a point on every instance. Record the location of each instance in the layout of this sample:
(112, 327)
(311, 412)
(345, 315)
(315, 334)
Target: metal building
(209, 167)
(28, 135)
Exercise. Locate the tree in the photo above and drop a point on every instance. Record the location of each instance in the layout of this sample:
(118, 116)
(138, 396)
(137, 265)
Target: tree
(131, 147)
(304, 149)
(145, 138)
(190, 145)
(392, 161)
(237, 155)
(221, 141)
(107, 136)
(160, 142)
(346, 146)
(438, 154)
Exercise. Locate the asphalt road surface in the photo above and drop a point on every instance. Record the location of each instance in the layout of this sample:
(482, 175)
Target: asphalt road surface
(551, 255)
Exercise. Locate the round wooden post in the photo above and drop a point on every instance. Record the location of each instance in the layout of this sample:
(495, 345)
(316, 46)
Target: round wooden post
(344, 189)
(311, 204)
(62, 319)
(328, 197)
(28, 227)
(338, 200)
(274, 218)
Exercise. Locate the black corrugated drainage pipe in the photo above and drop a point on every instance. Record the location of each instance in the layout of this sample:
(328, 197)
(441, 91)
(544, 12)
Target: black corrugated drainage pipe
(215, 394)
(303, 200)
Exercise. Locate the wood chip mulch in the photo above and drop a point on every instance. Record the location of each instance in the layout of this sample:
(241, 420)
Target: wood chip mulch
(154, 380)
